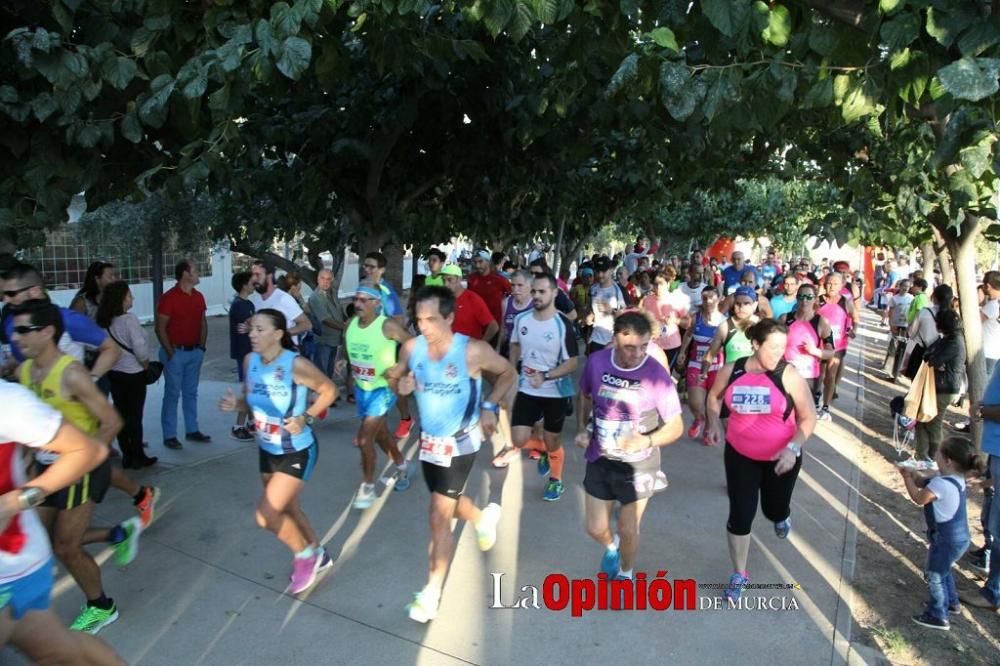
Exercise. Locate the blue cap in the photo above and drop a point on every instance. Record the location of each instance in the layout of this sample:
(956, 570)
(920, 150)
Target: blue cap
(747, 291)
(587, 271)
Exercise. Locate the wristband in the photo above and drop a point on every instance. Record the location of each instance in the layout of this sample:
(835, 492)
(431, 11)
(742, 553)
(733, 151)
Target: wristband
(794, 448)
(29, 497)
(490, 406)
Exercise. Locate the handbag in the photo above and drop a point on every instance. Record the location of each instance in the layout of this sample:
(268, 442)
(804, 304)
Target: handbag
(153, 369)
(920, 402)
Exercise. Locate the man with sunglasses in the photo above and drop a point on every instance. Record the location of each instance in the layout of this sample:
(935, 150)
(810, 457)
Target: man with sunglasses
(23, 283)
(370, 343)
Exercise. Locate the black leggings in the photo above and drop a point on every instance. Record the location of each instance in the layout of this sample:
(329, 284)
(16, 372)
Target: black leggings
(129, 393)
(746, 479)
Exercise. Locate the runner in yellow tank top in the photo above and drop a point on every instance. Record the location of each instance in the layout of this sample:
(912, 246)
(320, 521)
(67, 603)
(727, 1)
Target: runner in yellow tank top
(65, 384)
(370, 344)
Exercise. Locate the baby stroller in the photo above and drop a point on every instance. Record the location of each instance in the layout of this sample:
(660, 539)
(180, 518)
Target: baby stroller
(902, 427)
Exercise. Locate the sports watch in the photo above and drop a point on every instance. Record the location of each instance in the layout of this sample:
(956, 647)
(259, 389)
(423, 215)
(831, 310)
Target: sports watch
(491, 406)
(29, 497)
(794, 448)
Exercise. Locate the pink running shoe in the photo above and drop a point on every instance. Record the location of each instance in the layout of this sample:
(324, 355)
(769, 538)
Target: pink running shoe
(695, 430)
(304, 573)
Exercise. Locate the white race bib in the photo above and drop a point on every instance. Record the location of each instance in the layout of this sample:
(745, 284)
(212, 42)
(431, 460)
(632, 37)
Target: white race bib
(609, 433)
(751, 400)
(268, 428)
(362, 371)
(437, 450)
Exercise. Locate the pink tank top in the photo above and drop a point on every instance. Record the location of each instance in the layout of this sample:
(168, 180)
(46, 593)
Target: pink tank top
(799, 334)
(761, 418)
(840, 323)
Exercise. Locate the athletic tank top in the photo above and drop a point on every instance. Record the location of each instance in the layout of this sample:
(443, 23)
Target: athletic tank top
(840, 322)
(799, 334)
(510, 313)
(761, 415)
(447, 397)
(50, 392)
(701, 339)
(273, 396)
(371, 353)
(737, 343)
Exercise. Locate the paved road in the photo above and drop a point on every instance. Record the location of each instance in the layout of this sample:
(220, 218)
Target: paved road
(207, 585)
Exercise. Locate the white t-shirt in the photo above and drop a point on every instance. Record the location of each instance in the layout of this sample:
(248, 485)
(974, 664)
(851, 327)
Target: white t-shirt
(604, 303)
(991, 328)
(693, 293)
(281, 301)
(947, 495)
(544, 349)
(902, 304)
(27, 421)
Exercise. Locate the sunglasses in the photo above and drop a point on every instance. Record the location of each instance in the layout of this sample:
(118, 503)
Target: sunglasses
(370, 267)
(24, 330)
(805, 297)
(15, 292)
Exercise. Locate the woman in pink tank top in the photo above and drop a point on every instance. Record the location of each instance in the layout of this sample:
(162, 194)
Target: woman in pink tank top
(838, 310)
(770, 415)
(810, 339)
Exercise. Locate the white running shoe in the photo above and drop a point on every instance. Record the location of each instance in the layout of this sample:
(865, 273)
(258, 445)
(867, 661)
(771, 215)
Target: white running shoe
(365, 497)
(486, 528)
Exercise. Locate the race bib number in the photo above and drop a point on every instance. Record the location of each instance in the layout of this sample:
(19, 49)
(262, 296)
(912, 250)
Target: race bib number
(437, 450)
(838, 331)
(751, 400)
(363, 372)
(664, 330)
(609, 433)
(699, 354)
(268, 427)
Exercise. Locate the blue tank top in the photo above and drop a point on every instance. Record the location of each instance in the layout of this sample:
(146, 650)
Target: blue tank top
(273, 396)
(448, 398)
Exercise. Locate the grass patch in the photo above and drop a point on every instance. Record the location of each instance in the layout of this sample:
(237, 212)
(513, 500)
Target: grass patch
(891, 640)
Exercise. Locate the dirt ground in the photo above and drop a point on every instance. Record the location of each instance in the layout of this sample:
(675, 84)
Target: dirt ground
(891, 550)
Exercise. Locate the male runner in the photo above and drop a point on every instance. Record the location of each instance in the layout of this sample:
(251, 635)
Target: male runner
(371, 350)
(625, 396)
(444, 372)
(606, 300)
(26, 570)
(64, 384)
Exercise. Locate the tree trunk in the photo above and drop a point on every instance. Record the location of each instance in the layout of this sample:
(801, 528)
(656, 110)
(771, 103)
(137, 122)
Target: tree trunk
(944, 258)
(394, 273)
(156, 266)
(963, 249)
(368, 242)
(558, 258)
(414, 261)
(929, 255)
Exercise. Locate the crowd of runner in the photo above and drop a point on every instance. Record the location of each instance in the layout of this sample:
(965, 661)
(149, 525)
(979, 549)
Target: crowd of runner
(502, 355)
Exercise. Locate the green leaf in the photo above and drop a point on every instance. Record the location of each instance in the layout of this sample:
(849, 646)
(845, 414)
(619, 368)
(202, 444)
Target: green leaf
(118, 71)
(971, 79)
(285, 20)
(946, 26)
(295, 56)
(819, 95)
(498, 15)
(889, 6)
(664, 37)
(976, 158)
(900, 31)
(859, 102)
(89, 135)
(219, 100)
(196, 86)
(154, 23)
(679, 90)
(980, 37)
(900, 59)
(627, 71)
(722, 92)
(779, 26)
(153, 110)
(547, 11)
(630, 9)
(265, 38)
(728, 16)
(520, 23)
(142, 41)
(130, 128)
(43, 106)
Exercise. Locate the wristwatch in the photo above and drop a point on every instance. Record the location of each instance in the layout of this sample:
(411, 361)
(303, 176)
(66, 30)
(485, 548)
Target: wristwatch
(794, 448)
(30, 497)
(545, 375)
(309, 418)
(491, 406)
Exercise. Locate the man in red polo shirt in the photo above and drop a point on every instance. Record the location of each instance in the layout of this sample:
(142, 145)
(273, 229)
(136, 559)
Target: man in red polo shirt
(488, 283)
(182, 330)
(472, 316)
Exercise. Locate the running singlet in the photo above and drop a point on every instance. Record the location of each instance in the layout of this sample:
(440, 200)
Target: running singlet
(800, 333)
(701, 340)
(510, 312)
(761, 415)
(448, 399)
(50, 392)
(624, 402)
(24, 545)
(737, 343)
(370, 353)
(840, 322)
(273, 396)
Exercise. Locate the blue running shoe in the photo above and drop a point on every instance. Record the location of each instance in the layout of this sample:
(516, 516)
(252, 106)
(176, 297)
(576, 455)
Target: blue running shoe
(554, 490)
(543, 464)
(610, 562)
(737, 582)
(782, 529)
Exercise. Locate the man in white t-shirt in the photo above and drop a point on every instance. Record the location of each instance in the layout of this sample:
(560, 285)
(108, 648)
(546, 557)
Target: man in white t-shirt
(694, 285)
(989, 312)
(606, 300)
(267, 295)
(26, 568)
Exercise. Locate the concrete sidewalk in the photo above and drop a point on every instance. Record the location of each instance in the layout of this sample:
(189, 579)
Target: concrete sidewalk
(207, 585)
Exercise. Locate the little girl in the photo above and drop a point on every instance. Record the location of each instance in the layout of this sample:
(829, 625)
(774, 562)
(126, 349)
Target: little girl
(943, 499)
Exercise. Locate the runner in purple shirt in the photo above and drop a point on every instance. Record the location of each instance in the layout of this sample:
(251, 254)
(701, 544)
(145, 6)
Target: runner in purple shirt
(630, 409)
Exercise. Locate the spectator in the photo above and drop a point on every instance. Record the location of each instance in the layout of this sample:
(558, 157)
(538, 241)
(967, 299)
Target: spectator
(435, 262)
(99, 275)
(240, 312)
(990, 315)
(947, 356)
(329, 318)
(374, 269)
(268, 295)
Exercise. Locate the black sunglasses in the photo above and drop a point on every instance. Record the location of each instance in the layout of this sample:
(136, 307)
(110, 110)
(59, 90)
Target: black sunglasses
(23, 330)
(15, 292)
(805, 297)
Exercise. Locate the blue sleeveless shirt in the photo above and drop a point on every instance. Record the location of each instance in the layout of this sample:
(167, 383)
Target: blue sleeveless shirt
(447, 396)
(273, 396)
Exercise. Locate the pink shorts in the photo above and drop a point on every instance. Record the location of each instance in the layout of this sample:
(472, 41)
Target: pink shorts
(694, 378)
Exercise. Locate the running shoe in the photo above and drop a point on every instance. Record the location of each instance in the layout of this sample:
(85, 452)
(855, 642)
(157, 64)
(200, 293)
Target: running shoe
(402, 479)
(543, 464)
(534, 454)
(304, 571)
(609, 563)
(128, 548)
(147, 505)
(824, 414)
(366, 496)
(325, 562)
(660, 481)
(554, 490)
(403, 429)
(980, 560)
(240, 434)
(782, 529)
(695, 430)
(931, 622)
(92, 619)
(424, 607)
(737, 583)
(504, 458)
(486, 528)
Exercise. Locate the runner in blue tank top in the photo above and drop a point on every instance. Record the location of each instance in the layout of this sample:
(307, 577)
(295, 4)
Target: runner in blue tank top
(277, 383)
(444, 373)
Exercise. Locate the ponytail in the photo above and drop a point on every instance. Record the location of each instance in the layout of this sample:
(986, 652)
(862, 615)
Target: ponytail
(960, 451)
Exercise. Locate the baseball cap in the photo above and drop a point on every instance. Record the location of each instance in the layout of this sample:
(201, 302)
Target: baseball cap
(587, 271)
(451, 269)
(747, 291)
(482, 254)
